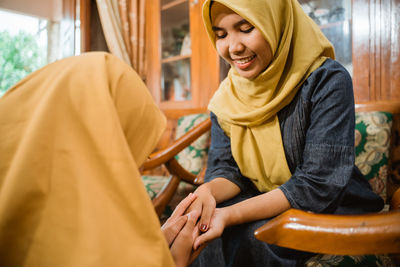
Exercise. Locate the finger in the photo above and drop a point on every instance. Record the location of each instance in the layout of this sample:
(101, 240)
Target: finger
(196, 205)
(185, 235)
(182, 246)
(207, 213)
(183, 205)
(189, 227)
(204, 238)
(196, 232)
(192, 219)
(172, 229)
(177, 226)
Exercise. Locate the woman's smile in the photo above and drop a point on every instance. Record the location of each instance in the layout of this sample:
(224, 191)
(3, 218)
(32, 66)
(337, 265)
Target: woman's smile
(244, 63)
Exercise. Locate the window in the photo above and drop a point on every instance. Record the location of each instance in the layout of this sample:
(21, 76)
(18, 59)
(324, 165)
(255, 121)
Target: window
(334, 19)
(27, 43)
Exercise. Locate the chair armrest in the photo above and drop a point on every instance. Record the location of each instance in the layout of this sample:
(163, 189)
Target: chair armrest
(395, 201)
(165, 195)
(375, 233)
(175, 168)
(168, 153)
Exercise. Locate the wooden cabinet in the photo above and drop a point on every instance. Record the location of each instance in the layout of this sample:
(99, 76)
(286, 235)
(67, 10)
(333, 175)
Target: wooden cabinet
(183, 66)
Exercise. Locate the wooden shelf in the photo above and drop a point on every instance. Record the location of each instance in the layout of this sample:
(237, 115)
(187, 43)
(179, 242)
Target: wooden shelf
(175, 58)
(172, 4)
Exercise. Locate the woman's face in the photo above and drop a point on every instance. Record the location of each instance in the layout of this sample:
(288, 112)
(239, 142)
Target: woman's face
(239, 43)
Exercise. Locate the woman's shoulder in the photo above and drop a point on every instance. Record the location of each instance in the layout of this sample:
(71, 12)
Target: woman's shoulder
(330, 78)
(331, 66)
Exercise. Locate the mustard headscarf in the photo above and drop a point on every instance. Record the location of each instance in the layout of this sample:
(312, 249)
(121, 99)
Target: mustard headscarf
(72, 136)
(247, 109)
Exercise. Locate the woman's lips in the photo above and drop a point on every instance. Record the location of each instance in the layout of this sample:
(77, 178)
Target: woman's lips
(244, 63)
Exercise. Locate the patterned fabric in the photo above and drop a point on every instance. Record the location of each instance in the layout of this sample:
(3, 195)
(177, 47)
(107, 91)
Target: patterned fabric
(154, 184)
(194, 157)
(337, 260)
(372, 141)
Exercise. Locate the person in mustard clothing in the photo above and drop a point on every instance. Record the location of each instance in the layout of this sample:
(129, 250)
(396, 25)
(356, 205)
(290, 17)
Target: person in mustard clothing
(72, 136)
(282, 132)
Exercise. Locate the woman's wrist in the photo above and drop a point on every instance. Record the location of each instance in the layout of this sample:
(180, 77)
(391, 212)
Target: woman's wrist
(222, 189)
(232, 215)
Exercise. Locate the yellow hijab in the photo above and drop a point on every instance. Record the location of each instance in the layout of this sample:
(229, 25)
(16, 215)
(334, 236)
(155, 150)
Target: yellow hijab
(247, 109)
(72, 136)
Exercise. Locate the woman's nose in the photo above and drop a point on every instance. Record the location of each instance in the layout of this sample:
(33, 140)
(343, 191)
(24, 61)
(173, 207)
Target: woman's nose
(235, 46)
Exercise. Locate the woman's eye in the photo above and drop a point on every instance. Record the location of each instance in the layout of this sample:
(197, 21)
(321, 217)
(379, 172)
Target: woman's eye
(247, 29)
(220, 35)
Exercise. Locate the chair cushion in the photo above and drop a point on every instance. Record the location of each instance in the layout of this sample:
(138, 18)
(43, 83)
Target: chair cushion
(372, 142)
(337, 260)
(194, 157)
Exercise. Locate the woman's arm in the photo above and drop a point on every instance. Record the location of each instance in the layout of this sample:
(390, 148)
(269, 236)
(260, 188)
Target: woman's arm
(222, 189)
(256, 208)
(249, 210)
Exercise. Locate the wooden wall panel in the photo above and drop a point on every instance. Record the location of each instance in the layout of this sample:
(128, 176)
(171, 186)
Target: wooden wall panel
(376, 56)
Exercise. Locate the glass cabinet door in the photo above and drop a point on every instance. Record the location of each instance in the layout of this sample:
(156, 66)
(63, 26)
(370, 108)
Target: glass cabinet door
(334, 19)
(176, 51)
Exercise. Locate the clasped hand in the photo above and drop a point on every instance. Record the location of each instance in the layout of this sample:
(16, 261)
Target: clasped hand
(187, 237)
(180, 231)
(213, 220)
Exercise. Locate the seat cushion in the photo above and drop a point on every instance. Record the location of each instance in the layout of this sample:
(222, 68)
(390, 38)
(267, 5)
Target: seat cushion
(194, 157)
(337, 260)
(372, 143)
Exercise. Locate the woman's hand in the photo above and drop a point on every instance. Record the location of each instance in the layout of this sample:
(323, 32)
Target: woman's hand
(176, 222)
(204, 205)
(219, 221)
(181, 248)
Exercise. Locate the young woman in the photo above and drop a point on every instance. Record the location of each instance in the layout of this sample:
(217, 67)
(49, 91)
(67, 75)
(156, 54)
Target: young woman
(72, 137)
(282, 132)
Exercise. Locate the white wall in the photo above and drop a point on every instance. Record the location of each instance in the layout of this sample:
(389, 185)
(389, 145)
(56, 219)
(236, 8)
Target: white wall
(48, 9)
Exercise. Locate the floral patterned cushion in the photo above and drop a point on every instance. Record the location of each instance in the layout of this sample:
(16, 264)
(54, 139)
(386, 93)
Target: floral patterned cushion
(372, 141)
(194, 157)
(362, 261)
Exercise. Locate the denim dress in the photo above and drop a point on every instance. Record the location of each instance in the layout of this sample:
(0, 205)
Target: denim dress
(317, 130)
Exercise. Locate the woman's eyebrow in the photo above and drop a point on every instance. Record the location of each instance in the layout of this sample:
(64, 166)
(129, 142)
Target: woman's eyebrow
(236, 25)
(215, 28)
(239, 23)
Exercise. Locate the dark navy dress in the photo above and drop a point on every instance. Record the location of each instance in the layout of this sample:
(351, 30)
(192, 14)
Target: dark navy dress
(317, 130)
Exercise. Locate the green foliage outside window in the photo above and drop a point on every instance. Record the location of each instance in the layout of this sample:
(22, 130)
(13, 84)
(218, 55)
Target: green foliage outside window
(19, 55)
